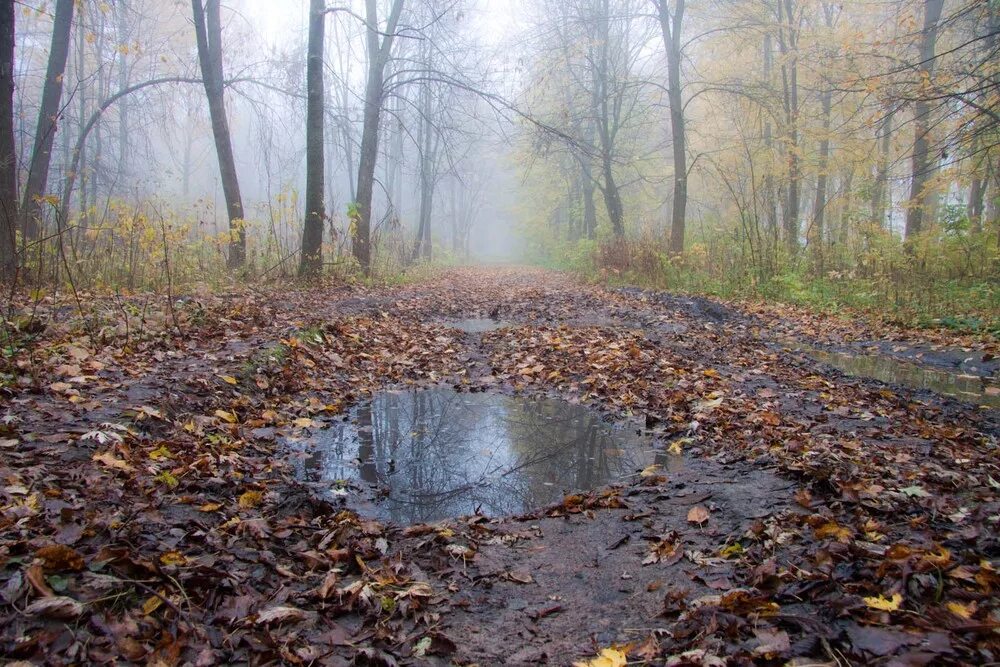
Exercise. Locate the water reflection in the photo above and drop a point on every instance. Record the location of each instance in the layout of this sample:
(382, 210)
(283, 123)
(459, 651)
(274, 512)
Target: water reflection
(979, 390)
(477, 325)
(438, 453)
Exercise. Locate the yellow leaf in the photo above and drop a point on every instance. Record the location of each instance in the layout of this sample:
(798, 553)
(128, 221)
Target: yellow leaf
(173, 558)
(251, 499)
(885, 604)
(151, 604)
(304, 422)
(651, 471)
(210, 507)
(675, 446)
(609, 657)
(226, 416)
(229, 379)
(167, 478)
(963, 610)
(831, 529)
(159, 453)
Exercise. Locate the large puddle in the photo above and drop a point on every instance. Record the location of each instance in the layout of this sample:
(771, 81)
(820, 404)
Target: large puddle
(436, 453)
(971, 388)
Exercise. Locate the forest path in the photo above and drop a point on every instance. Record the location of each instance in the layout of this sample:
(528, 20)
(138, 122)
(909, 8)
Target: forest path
(151, 509)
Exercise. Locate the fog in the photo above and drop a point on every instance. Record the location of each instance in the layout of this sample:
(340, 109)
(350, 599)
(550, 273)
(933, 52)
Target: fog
(508, 130)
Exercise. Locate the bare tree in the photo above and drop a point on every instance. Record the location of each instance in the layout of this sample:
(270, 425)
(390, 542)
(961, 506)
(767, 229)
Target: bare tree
(48, 116)
(210, 58)
(312, 234)
(379, 50)
(671, 25)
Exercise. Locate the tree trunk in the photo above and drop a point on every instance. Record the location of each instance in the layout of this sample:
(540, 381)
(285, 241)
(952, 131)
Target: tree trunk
(922, 166)
(311, 265)
(881, 190)
(8, 148)
(788, 45)
(209, 38)
(976, 197)
(671, 30)
(589, 209)
(819, 204)
(48, 117)
(378, 56)
(770, 191)
(613, 200)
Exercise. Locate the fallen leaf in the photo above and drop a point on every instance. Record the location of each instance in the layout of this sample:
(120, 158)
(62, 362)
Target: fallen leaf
(698, 515)
(885, 604)
(609, 657)
(57, 607)
(111, 461)
(281, 615)
(251, 499)
(60, 558)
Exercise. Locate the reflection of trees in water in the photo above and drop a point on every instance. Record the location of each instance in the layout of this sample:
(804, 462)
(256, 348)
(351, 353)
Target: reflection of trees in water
(568, 447)
(441, 453)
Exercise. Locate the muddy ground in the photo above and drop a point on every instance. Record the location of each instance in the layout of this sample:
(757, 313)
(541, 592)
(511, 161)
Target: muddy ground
(150, 512)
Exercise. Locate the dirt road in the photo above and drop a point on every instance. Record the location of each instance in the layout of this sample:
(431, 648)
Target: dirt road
(152, 512)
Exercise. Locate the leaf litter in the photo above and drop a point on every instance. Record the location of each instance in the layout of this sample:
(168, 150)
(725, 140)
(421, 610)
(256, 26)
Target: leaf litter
(149, 513)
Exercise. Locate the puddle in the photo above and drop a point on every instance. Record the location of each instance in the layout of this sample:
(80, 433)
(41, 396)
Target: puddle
(436, 453)
(971, 388)
(477, 325)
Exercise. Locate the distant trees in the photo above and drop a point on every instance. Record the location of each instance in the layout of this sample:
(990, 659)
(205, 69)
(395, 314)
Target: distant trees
(209, 37)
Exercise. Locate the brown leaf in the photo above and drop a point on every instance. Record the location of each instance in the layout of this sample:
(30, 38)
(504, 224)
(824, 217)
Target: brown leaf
(58, 607)
(36, 577)
(328, 585)
(520, 577)
(281, 615)
(60, 558)
(698, 515)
